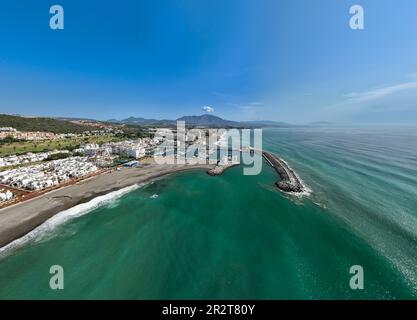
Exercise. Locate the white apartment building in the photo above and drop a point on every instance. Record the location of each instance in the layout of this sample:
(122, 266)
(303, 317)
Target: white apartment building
(5, 195)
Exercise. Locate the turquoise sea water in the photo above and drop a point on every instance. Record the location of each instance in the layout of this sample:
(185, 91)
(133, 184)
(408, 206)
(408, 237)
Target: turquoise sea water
(193, 236)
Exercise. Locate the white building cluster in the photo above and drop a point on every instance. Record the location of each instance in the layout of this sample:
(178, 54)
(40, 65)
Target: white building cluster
(7, 129)
(14, 160)
(5, 195)
(129, 148)
(28, 135)
(44, 135)
(48, 174)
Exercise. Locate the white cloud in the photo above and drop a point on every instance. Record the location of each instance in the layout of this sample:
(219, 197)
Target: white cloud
(380, 92)
(207, 109)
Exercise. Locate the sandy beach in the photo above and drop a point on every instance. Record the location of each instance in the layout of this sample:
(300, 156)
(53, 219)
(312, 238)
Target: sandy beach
(21, 218)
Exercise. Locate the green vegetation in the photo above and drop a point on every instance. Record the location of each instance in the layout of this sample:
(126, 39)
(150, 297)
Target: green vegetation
(42, 124)
(78, 154)
(132, 132)
(9, 139)
(10, 145)
(49, 145)
(21, 165)
(57, 156)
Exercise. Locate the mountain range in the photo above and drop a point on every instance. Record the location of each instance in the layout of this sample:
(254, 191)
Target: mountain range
(205, 120)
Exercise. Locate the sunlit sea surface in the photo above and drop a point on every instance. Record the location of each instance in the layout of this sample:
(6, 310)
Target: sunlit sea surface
(193, 236)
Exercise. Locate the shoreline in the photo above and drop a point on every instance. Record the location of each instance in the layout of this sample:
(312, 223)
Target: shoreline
(19, 219)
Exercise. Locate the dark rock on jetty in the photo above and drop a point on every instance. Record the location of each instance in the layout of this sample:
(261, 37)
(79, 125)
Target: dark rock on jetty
(289, 181)
(219, 169)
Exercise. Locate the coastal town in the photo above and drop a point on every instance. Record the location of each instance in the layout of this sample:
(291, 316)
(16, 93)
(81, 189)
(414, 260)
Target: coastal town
(36, 162)
(27, 174)
(10, 132)
(49, 165)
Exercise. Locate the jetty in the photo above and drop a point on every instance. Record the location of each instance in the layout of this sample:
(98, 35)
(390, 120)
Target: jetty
(289, 181)
(219, 169)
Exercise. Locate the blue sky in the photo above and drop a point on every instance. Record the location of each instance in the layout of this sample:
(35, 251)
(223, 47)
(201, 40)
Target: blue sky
(286, 60)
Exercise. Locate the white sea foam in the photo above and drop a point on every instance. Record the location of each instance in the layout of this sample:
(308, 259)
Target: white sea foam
(45, 230)
(307, 191)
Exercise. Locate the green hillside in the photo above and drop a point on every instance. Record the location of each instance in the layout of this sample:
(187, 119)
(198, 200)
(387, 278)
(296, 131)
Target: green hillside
(41, 124)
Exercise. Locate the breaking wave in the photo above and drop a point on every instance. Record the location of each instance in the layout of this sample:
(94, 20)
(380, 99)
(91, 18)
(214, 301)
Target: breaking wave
(44, 230)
